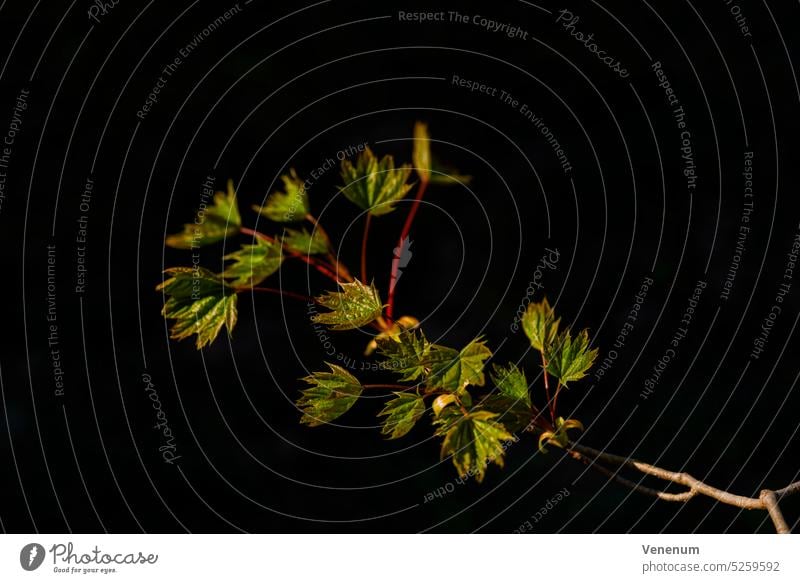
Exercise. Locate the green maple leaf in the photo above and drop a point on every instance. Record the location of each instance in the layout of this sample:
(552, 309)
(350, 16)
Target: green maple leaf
(355, 306)
(401, 414)
(514, 414)
(405, 353)
(211, 224)
(473, 440)
(374, 185)
(252, 264)
(569, 358)
(452, 370)
(511, 382)
(289, 206)
(540, 324)
(512, 401)
(200, 302)
(314, 243)
(330, 395)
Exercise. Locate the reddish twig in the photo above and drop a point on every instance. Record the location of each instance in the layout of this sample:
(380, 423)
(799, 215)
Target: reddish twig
(321, 267)
(364, 240)
(555, 400)
(388, 386)
(341, 270)
(550, 406)
(257, 234)
(423, 185)
(281, 292)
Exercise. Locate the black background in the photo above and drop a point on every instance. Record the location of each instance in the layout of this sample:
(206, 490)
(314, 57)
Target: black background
(281, 86)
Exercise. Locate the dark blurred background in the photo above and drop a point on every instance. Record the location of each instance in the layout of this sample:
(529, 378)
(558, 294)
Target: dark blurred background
(275, 86)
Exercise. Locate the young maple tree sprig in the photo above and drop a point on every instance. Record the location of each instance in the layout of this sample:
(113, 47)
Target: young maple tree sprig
(473, 430)
(475, 419)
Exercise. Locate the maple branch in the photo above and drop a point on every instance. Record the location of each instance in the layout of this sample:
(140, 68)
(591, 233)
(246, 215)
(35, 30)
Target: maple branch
(321, 267)
(771, 502)
(364, 240)
(767, 499)
(559, 386)
(550, 404)
(257, 234)
(681, 497)
(388, 386)
(423, 185)
(341, 270)
(792, 488)
(271, 290)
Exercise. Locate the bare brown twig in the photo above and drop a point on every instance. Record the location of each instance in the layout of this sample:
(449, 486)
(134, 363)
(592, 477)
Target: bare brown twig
(681, 497)
(767, 499)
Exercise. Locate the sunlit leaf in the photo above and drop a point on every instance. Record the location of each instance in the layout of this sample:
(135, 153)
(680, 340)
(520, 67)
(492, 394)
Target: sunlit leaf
(405, 353)
(252, 264)
(401, 414)
(569, 358)
(200, 302)
(314, 243)
(452, 370)
(355, 306)
(211, 224)
(330, 395)
(540, 324)
(511, 382)
(474, 441)
(289, 206)
(512, 400)
(374, 185)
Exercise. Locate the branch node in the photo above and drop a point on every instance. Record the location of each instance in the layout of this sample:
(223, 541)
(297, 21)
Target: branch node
(770, 501)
